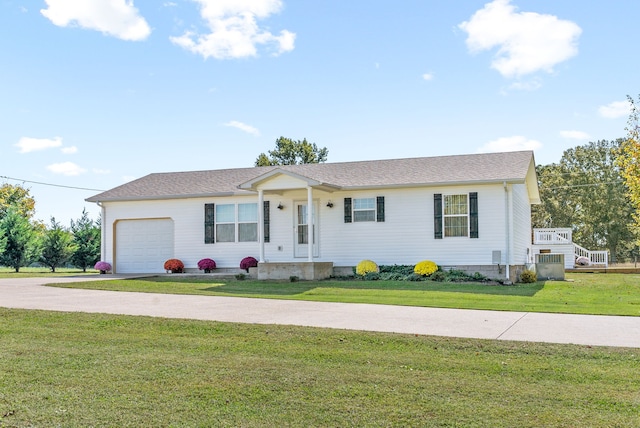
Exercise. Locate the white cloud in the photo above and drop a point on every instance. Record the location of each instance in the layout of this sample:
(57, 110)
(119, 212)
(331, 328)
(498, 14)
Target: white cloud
(575, 135)
(243, 127)
(510, 144)
(66, 168)
(69, 150)
(526, 85)
(118, 18)
(427, 76)
(101, 171)
(233, 31)
(26, 144)
(615, 109)
(527, 41)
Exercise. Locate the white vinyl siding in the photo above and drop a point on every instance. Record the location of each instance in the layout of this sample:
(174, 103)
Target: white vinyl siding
(405, 237)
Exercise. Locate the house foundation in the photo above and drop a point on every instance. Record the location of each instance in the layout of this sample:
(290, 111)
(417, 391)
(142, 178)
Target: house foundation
(307, 271)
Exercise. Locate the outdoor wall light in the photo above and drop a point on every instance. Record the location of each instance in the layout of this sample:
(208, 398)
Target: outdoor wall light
(280, 206)
(330, 204)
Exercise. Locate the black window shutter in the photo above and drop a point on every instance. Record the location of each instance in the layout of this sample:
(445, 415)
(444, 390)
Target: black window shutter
(473, 214)
(209, 223)
(266, 219)
(437, 215)
(347, 210)
(380, 208)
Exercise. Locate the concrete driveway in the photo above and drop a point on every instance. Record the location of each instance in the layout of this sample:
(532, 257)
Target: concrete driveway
(593, 330)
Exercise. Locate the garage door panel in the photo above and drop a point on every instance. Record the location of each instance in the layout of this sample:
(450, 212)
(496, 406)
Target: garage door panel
(142, 246)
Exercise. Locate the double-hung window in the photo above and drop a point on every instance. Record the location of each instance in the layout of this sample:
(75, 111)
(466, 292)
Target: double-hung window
(456, 215)
(364, 209)
(247, 222)
(234, 222)
(225, 222)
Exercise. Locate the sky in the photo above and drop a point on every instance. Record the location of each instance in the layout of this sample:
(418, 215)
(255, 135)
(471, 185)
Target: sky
(96, 94)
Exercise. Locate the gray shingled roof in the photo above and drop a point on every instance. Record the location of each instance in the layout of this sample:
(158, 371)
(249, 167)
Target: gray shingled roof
(458, 169)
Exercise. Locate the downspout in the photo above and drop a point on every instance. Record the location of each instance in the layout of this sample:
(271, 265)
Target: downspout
(310, 228)
(507, 235)
(261, 223)
(103, 217)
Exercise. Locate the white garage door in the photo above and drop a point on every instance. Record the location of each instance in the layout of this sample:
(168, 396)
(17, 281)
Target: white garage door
(142, 246)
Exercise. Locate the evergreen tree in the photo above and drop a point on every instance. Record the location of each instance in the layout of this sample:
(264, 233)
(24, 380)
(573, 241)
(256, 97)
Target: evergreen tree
(86, 237)
(22, 241)
(57, 246)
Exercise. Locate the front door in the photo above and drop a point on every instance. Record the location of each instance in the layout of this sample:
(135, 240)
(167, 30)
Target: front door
(301, 228)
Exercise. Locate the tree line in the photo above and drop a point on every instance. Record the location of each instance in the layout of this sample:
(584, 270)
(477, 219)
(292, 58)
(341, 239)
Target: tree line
(24, 241)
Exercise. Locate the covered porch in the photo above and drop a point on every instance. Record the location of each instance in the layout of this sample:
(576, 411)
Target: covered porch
(302, 200)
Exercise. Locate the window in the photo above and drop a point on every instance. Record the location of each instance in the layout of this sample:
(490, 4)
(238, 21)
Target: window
(225, 223)
(455, 215)
(364, 209)
(247, 222)
(456, 218)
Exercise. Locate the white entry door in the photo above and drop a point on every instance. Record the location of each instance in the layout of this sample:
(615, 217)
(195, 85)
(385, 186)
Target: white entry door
(301, 228)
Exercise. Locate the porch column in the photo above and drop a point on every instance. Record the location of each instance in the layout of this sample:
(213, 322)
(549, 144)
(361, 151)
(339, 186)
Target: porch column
(310, 223)
(261, 223)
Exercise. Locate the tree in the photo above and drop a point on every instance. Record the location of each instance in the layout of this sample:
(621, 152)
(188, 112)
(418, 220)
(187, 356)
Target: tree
(629, 159)
(22, 240)
(16, 196)
(57, 246)
(86, 237)
(585, 192)
(290, 152)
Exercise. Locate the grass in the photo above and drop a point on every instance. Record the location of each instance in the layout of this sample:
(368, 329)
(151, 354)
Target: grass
(602, 294)
(76, 370)
(29, 272)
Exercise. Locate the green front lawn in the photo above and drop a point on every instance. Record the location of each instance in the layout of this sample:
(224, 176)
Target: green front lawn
(606, 294)
(78, 370)
(29, 272)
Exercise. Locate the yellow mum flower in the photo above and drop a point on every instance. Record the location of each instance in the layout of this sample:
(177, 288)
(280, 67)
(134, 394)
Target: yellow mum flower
(366, 266)
(425, 267)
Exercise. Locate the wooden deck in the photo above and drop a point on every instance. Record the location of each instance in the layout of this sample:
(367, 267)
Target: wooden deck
(610, 269)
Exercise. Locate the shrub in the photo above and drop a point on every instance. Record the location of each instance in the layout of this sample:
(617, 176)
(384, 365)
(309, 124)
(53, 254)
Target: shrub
(528, 277)
(439, 276)
(102, 266)
(401, 270)
(248, 262)
(207, 265)
(371, 276)
(293, 278)
(366, 266)
(425, 268)
(174, 265)
(240, 276)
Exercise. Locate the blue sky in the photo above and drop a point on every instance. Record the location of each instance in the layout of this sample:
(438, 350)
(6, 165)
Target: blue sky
(98, 93)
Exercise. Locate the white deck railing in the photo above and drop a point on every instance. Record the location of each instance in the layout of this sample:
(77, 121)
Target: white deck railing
(552, 236)
(560, 236)
(595, 257)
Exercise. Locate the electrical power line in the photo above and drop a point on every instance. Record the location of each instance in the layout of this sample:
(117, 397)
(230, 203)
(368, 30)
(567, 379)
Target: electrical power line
(50, 184)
